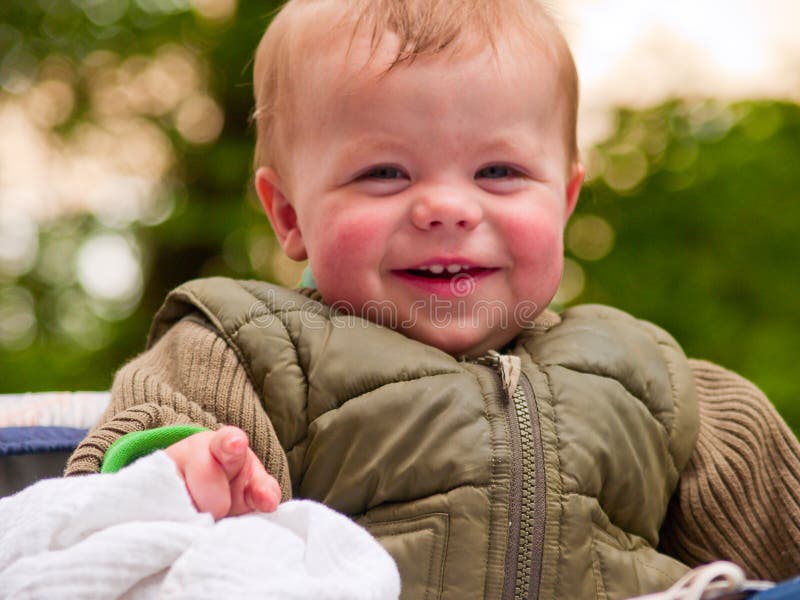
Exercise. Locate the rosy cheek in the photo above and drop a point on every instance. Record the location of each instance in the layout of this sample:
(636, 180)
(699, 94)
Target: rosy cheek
(347, 254)
(352, 236)
(534, 240)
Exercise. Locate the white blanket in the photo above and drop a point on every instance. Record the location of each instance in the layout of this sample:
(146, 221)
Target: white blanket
(135, 534)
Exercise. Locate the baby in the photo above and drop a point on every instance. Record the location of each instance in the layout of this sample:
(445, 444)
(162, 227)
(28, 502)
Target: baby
(421, 155)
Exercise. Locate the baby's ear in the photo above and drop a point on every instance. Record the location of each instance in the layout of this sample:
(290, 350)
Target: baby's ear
(280, 212)
(576, 177)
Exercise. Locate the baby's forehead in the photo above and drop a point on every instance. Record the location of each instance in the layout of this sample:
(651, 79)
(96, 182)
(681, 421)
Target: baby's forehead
(355, 70)
(380, 35)
(312, 39)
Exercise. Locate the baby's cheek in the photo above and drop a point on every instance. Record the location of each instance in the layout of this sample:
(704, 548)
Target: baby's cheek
(345, 259)
(354, 236)
(535, 242)
(537, 248)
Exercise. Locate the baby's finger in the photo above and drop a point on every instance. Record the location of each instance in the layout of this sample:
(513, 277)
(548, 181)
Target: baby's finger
(229, 447)
(208, 486)
(262, 492)
(254, 489)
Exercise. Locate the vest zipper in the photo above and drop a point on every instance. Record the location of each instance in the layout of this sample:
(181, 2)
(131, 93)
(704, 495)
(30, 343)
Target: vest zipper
(526, 512)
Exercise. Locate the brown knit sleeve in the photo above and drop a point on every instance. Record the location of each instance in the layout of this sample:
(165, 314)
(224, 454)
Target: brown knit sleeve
(190, 376)
(739, 497)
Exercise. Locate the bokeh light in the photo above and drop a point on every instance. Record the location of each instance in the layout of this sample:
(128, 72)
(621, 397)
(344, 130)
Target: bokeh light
(19, 243)
(108, 269)
(199, 120)
(215, 10)
(590, 237)
(572, 283)
(17, 318)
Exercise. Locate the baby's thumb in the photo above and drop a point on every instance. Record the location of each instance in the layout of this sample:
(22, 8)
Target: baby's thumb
(229, 447)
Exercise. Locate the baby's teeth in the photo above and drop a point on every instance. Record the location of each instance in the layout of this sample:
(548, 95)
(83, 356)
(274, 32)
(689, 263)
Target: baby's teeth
(453, 268)
(436, 269)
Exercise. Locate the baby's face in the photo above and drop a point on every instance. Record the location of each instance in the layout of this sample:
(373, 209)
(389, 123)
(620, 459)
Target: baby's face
(431, 199)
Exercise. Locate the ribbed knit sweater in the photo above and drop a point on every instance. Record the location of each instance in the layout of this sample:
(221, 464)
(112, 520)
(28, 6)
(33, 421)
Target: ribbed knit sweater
(738, 499)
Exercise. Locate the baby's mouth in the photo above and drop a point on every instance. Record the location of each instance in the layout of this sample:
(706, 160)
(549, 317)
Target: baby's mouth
(448, 280)
(441, 273)
(446, 273)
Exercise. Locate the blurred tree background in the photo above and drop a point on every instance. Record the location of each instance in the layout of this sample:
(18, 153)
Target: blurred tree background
(125, 169)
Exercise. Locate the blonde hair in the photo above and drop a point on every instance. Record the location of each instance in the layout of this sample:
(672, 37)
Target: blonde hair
(422, 27)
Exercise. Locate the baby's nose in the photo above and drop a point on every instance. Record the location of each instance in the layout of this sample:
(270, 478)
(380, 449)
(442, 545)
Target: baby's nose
(446, 209)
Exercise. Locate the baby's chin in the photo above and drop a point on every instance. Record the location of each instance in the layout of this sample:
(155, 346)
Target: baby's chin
(461, 341)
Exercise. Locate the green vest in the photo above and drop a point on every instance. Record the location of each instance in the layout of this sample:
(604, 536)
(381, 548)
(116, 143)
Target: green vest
(553, 488)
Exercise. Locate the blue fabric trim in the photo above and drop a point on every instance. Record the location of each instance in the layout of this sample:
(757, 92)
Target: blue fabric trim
(307, 280)
(32, 440)
(786, 590)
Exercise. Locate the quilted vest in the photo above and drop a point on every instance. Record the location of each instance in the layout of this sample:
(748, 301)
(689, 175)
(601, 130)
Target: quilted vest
(553, 488)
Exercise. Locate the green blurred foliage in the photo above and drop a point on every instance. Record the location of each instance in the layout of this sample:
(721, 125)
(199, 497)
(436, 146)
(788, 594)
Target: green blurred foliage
(701, 197)
(209, 188)
(706, 241)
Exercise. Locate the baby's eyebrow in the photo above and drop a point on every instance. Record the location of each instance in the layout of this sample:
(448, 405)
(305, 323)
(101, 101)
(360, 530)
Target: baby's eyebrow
(513, 146)
(351, 154)
(370, 143)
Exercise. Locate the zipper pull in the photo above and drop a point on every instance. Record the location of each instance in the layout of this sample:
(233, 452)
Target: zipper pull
(509, 367)
(510, 370)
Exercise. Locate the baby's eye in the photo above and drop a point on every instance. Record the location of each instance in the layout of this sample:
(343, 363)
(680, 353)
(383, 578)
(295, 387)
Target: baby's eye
(382, 180)
(496, 172)
(383, 172)
(501, 179)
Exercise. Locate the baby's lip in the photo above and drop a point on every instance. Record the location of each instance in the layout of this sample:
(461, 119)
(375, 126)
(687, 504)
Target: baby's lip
(442, 271)
(452, 281)
(448, 263)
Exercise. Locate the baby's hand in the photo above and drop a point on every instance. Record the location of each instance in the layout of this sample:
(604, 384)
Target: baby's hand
(223, 475)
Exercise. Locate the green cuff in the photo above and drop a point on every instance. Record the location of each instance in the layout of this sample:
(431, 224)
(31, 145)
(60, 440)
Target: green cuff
(137, 444)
